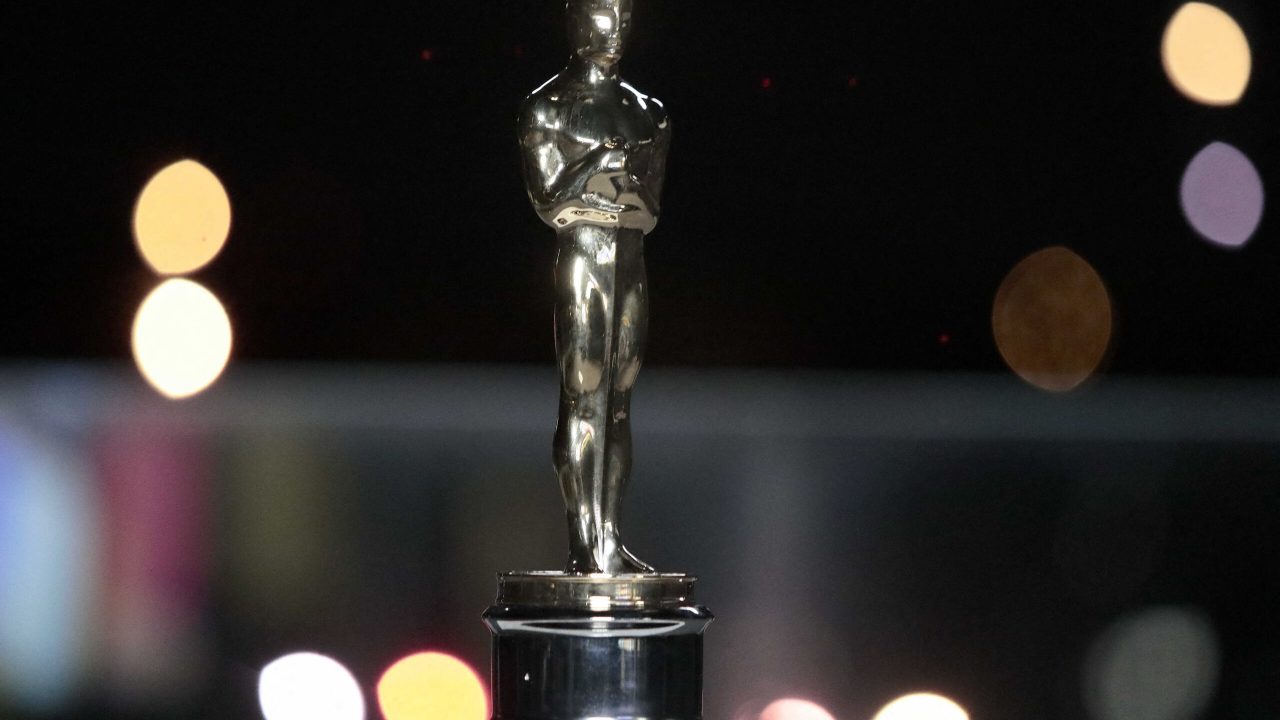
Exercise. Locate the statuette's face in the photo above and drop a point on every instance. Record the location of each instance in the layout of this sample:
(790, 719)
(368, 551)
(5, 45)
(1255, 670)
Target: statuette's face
(599, 28)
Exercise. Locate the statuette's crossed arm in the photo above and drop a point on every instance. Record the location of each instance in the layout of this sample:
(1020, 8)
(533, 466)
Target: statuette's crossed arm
(602, 178)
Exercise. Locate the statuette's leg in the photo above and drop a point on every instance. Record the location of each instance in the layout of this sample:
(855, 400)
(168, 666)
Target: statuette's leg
(631, 325)
(601, 318)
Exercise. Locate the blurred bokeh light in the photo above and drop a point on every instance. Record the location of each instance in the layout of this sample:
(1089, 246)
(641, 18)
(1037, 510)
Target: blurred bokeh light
(1161, 664)
(47, 570)
(307, 686)
(432, 686)
(155, 488)
(1206, 54)
(182, 218)
(181, 338)
(1139, 488)
(795, 709)
(290, 553)
(1222, 195)
(922, 706)
(1052, 319)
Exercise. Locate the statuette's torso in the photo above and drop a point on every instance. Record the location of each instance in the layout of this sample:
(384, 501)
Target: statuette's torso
(596, 146)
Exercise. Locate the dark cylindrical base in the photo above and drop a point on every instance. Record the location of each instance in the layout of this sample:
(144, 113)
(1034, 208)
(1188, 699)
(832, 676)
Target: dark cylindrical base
(579, 648)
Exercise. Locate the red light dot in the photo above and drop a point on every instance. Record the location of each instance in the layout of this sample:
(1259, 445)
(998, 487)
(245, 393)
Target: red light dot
(518, 51)
(428, 54)
(944, 339)
(766, 83)
(853, 82)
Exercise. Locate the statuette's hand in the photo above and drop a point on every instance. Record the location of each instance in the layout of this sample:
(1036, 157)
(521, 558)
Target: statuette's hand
(614, 160)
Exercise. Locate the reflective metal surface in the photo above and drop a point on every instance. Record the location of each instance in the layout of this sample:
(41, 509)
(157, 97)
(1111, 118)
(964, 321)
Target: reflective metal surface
(594, 151)
(609, 638)
(595, 592)
(578, 665)
(575, 647)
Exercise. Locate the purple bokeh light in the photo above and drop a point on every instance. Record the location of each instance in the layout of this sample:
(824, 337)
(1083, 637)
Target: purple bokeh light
(1222, 195)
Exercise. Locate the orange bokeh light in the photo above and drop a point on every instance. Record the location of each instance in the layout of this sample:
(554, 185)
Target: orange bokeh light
(795, 709)
(1206, 54)
(432, 686)
(1052, 319)
(182, 218)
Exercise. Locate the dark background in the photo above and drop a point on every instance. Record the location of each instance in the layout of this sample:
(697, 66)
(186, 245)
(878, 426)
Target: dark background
(905, 156)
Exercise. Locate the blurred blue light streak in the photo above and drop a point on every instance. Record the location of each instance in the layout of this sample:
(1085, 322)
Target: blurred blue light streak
(47, 567)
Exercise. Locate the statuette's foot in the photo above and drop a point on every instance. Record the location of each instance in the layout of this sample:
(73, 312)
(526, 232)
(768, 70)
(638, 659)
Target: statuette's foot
(619, 563)
(607, 557)
(631, 564)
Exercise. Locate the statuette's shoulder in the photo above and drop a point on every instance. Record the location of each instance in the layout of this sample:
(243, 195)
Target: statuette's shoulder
(658, 112)
(543, 106)
(653, 106)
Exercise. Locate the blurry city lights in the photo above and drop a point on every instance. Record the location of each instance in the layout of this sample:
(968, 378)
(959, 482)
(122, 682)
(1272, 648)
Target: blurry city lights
(181, 338)
(1161, 664)
(182, 218)
(1052, 319)
(922, 706)
(1222, 195)
(154, 490)
(307, 686)
(432, 686)
(795, 709)
(48, 567)
(291, 553)
(1206, 54)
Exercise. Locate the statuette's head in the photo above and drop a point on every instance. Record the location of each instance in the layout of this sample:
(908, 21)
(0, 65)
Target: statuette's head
(598, 29)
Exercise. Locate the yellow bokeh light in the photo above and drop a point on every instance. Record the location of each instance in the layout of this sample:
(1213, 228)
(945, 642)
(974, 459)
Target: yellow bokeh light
(182, 218)
(922, 706)
(1206, 54)
(432, 686)
(181, 338)
(1052, 319)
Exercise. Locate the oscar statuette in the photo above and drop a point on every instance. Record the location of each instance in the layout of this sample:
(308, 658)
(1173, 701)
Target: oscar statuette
(609, 638)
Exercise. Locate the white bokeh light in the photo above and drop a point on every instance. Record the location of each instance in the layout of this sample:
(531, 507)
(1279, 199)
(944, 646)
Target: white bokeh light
(1161, 664)
(307, 686)
(922, 706)
(181, 338)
